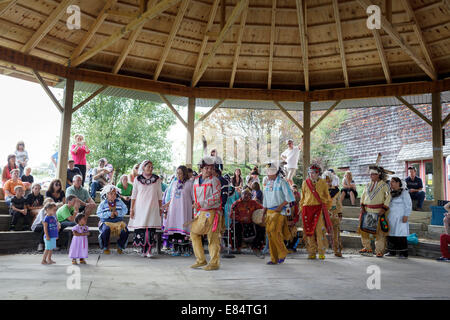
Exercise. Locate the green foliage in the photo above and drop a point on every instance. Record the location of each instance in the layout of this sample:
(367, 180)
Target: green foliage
(124, 131)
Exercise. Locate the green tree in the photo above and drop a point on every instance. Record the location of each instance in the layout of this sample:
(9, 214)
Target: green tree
(124, 131)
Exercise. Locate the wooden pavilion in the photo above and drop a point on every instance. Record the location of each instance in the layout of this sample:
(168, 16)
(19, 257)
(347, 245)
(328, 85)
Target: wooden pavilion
(288, 55)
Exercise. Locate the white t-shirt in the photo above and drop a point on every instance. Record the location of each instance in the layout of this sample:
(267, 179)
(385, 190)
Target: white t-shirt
(292, 156)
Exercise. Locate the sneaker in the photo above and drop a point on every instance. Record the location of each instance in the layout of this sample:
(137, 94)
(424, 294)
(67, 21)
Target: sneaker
(149, 255)
(176, 254)
(280, 261)
(390, 254)
(40, 247)
(443, 259)
(271, 263)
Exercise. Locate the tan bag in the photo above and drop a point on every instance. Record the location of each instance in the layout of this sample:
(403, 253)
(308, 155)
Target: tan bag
(203, 222)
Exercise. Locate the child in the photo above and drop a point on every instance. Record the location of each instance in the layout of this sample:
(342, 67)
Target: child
(51, 232)
(35, 201)
(79, 244)
(21, 156)
(27, 179)
(18, 209)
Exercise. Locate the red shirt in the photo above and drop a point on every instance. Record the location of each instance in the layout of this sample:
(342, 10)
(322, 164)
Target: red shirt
(244, 210)
(6, 175)
(80, 156)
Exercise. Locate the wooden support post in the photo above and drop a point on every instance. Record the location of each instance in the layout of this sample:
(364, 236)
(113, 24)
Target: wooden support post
(438, 168)
(64, 136)
(306, 137)
(190, 133)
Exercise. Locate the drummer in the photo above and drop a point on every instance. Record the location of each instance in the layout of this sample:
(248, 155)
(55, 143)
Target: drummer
(241, 212)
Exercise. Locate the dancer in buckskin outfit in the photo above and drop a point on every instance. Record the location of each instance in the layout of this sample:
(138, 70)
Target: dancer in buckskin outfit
(335, 213)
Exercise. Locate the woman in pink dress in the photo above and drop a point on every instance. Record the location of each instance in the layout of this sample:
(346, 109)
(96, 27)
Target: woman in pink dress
(79, 245)
(79, 150)
(179, 201)
(146, 207)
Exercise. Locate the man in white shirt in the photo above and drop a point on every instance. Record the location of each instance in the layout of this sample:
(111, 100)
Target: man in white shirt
(291, 155)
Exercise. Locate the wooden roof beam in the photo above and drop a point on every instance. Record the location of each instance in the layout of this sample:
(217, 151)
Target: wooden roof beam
(47, 90)
(387, 26)
(6, 5)
(173, 32)
(382, 55)
(92, 29)
(272, 41)
(417, 112)
(333, 106)
(287, 114)
(92, 96)
(301, 16)
(141, 19)
(52, 19)
(231, 19)
(340, 40)
(423, 44)
(206, 36)
(175, 112)
(238, 45)
(206, 115)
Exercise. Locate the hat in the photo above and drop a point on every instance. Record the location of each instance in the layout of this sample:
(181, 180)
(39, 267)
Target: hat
(271, 168)
(207, 161)
(314, 168)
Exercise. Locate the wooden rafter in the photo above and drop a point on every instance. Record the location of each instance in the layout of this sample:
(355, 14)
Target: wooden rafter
(92, 96)
(231, 19)
(175, 26)
(92, 29)
(417, 112)
(423, 44)
(175, 112)
(388, 5)
(47, 90)
(382, 55)
(238, 45)
(287, 114)
(141, 19)
(206, 115)
(444, 122)
(333, 106)
(340, 40)
(144, 5)
(46, 26)
(387, 26)
(272, 41)
(6, 5)
(206, 36)
(301, 16)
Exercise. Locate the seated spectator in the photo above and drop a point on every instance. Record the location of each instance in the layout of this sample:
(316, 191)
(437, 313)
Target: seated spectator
(100, 177)
(252, 177)
(35, 201)
(18, 209)
(27, 180)
(56, 192)
(445, 237)
(10, 185)
(71, 172)
(348, 188)
(11, 165)
(125, 190)
(415, 187)
(257, 194)
(67, 213)
(21, 157)
(110, 168)
(111, 211)
(37, 225)
(87, 205)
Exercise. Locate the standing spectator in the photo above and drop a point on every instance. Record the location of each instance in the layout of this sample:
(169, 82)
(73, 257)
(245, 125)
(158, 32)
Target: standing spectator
(134, 173)
(100, 177)
(21, 156)
(217, 160)
(18, 210)
(399, 211)
(291, 155)
(146, 206)
(79, 151)
(415, 187)
(56, 192)
(11, 184)
(35, 201)
(67, 213)
(72, 171)
(11, 165)
(27, 179)
(126, 190)
(54, 159)
(87, 205)
(445, 237)
(348, 188)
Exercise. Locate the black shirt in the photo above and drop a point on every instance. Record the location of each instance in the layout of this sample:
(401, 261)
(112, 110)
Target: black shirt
(414, 184)
(73, 173)
(29, 178)
(61, 196)
(18, 203)
(35, 201)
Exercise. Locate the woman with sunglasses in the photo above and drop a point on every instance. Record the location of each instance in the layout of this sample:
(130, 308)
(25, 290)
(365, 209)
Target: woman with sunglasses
(56, 192)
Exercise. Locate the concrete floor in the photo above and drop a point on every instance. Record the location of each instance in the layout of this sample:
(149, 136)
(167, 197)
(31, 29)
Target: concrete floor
(244, 277)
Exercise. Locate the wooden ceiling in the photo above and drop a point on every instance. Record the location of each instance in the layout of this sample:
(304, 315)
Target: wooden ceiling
(267, 44)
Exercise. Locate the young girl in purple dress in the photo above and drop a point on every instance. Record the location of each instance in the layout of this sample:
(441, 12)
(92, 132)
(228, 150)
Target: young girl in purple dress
(79, 244)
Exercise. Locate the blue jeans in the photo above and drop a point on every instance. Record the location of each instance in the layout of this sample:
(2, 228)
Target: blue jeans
(420, 196)
(95, 186)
